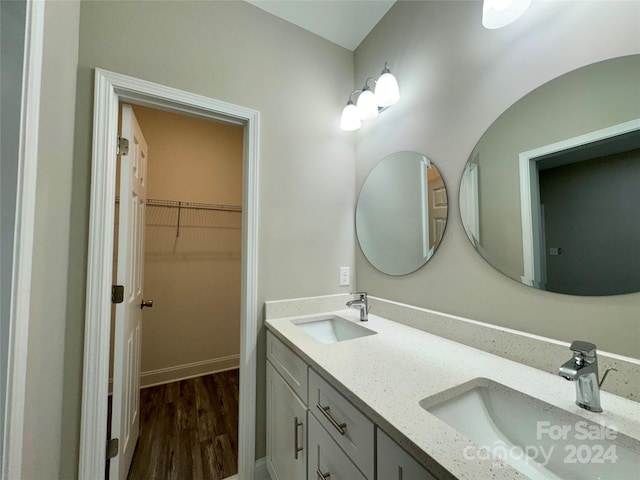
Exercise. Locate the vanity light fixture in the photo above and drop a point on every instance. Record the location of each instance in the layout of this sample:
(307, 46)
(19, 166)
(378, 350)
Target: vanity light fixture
(370, 103)
(350, 120)
(367, 103)
(500, 13)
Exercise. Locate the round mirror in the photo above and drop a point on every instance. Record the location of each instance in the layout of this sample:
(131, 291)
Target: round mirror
(401, 213)
(550, 195)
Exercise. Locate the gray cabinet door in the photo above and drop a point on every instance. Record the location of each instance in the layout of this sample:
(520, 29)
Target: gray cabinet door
(286, 429)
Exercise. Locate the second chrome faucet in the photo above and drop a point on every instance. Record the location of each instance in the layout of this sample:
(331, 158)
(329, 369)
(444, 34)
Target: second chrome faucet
(583, 369)
(362, 304)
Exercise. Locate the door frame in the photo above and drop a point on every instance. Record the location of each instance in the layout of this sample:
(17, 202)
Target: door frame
(109, 89)
(23, 241)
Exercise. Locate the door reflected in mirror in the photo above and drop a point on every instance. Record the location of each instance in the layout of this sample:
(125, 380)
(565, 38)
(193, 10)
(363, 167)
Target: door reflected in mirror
(550, 195)
(401, 213)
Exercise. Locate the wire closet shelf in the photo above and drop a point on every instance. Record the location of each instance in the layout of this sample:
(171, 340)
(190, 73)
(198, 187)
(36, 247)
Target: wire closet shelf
(193, 206)
(193, 215)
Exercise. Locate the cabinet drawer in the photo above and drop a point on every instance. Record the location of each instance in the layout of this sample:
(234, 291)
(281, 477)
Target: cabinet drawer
(351, 430)
(396, 464)
(289, 365)
(326, 460)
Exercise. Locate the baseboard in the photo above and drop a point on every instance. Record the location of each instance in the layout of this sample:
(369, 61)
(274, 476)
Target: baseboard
(161, 376)
(261, 472)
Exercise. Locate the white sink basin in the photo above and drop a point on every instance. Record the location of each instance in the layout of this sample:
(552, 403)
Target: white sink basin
(332, 329)
(538, 439)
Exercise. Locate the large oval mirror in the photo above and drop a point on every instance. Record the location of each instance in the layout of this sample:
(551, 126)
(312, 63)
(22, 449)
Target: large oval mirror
(550, 195)
(401, 213)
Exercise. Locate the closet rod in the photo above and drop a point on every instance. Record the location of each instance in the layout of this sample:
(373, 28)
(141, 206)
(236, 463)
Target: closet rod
(190, 205)
(193, 206)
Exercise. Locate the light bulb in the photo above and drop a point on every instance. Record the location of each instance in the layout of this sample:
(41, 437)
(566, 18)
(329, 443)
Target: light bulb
(387, 91)
(367, 104)
(500, 13)
(350, 119)
(500, 5)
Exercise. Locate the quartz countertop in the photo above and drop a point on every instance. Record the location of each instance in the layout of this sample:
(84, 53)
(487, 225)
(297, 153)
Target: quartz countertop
(386, 375)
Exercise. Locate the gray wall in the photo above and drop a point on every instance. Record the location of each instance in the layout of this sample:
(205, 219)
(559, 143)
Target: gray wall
(52, 397)
(600, 199)
(455, 79)
(237, 53)
(12, 23)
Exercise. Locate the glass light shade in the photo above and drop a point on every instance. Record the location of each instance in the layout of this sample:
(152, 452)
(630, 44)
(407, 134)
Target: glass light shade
(367, 105)
(387, 91)
(500, 13)
(350, 119)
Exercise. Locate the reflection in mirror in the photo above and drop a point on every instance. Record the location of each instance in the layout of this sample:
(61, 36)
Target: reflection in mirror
(550, 195)
(401, 213)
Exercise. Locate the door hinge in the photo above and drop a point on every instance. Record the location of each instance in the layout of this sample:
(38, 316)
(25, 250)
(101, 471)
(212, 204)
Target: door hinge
(123, 146)
(112, 448)
(117, 293)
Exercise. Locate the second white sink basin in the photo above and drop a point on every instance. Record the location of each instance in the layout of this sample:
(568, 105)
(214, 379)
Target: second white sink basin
(542, 441)
(332, 329)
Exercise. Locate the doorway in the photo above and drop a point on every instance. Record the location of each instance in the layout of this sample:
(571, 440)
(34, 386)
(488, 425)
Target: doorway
(589, 216)
(193, 244)
(190, 332)
(110, 89)
(576, 151)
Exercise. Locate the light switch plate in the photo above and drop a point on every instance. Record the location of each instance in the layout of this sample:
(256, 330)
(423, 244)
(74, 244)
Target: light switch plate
(345, 276)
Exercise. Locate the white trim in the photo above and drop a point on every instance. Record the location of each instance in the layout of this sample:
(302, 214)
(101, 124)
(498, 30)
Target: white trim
(162, 376)
(260, 468)
(110, 88)
(191, 370)
(529, 194)
(23, 241)
(424, 204)
(530, 219)
(470, 203)
(262, 473)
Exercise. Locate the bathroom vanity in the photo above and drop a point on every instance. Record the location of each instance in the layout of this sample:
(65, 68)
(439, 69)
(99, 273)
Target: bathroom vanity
(315, 432)
(363, 402)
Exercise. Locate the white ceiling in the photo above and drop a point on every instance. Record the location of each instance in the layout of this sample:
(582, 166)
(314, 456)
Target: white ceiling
(345, 22)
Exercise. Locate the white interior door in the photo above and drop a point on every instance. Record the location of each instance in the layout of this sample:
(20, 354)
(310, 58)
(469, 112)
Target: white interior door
(126, 362)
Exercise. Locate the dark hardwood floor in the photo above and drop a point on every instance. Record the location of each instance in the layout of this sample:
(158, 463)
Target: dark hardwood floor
(188, 430)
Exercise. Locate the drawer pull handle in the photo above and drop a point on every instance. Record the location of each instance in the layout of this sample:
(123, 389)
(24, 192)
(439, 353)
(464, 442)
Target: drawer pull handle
(322, 476)
(296, 448)
(339, 426)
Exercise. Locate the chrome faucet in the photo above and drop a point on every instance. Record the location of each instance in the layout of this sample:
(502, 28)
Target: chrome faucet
(360, 303)
(583, 369)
